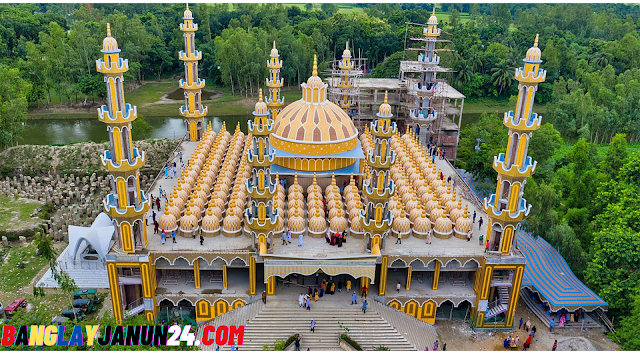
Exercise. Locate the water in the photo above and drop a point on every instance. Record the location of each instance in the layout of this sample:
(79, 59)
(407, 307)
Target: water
(61, 131)
(49, 132)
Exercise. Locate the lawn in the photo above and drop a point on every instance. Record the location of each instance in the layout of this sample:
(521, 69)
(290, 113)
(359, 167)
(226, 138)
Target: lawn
(13, 278)
(17, 211)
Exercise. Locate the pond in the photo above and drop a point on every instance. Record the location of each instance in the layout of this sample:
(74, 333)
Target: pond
(61, 131)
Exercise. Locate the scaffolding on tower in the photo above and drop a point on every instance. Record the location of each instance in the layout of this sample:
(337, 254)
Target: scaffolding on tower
(427, 101)
(344, 86)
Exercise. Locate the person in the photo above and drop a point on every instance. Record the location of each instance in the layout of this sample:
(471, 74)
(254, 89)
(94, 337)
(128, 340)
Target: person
(429, 238)
(327, 237)
(301, 300)
(289, 235)
(322, 290)
(340, 285)
(553, 322)
(298, 343)
(527, 343)
(469, 234)
(348, 285)
(520, 325)
(180, 156)
(308, 303)
(417, 130)
(486, 246)
(158, 204)
(444, 347)
(315, 294)
(533, 330)
(313, 325)
(163, 237)
(474, 216)
(173, 236)
(555, 345)
(155, 227)
(333, 288)
(264, 297)
(517, 340)
(480, 223)
(201, 238)
(354, 298)
(527, 325)
(435, 345)
(300, 240)
(166, 172)
(449, 179)
(480, 240)
(153, 216)
(399, 241)
(398, 286)
(284, 238)
(153, 202)
(562, 321)
(364, 307)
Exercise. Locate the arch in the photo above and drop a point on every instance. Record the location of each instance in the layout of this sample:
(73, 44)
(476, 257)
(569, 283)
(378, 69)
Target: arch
(411, 308)
(414, 263)
(460, 302)
(238, 303)
(221, 307)
(453, 265)
(218, 261)
(471, 260)
(393, 263)
(156, 262)
(181, 261)
(395, 304)
(234, 263)
(184, 302)
(436, 260)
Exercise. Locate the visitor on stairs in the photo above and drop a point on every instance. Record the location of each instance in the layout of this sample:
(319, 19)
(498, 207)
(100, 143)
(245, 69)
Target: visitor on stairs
(284, 238)
(163, 237)
(300, 240)
(173, 236)
(297, 342)
(313, 326)
(398, 286)
(364, 307)
(348, 285)
(435, 345)
(301, 300)
(354, 298)
(289, 235)
(264, 297)
(555, 345)
(308, 303)
(339, 285)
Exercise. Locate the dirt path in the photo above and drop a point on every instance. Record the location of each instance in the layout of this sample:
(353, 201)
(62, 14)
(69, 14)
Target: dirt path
(460, 337)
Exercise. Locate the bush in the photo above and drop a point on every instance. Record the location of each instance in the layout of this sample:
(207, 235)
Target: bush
(351, 342)
(47, 210)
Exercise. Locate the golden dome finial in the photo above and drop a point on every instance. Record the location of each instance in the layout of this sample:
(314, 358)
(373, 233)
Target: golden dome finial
(535, 43)
(434, 11)
(386, 96)
(347, 45)
(315, 66)
(274, 44)
(108, 29)
(187, 6)
(260, 94)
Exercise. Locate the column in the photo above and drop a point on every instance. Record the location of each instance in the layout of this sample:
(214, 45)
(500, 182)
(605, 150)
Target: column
(196, 273)
(114, 288)
(383, 275)
(271, 285)
(364, 282)
(148, 291)
(224, 277)
(409, 277)
(252, 275)
(436, 276)
(515, 293)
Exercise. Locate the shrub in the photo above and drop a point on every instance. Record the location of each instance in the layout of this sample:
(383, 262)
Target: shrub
(351, 342)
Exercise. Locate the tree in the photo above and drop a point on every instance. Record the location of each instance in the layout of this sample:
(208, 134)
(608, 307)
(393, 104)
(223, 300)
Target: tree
(329, 8)
(501, 76)
(308, 6)
(13, 105)
(493, 136)
(616, 156)
(628, 332)
(140, 129)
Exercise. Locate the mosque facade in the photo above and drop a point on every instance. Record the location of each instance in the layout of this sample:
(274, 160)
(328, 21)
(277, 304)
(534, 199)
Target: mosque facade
(405, 221)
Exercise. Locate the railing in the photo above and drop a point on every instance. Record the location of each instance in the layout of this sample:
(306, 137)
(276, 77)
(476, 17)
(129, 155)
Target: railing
(502, 279)
(81, 265)
(468, 193)
(161, 172)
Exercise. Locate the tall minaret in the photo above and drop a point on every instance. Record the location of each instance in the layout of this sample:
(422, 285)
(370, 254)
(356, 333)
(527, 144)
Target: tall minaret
(127, 204)
(192, 110)
(506, 208)
(346, 82)
(262, 216)
(274, 83)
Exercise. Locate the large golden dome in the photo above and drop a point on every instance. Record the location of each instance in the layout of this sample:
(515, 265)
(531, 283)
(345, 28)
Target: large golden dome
(313, 125)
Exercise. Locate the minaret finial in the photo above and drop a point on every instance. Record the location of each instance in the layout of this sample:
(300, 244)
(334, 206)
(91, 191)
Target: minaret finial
(347, 45)
(108, 29)
(535, 43)
(187, 6)
(434, 11)
(259, 94)
(386, 96)
(315, 66)
(274, 44)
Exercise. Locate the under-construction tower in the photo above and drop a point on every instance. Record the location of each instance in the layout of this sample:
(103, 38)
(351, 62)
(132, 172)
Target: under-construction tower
(345, 82)
(427, 97)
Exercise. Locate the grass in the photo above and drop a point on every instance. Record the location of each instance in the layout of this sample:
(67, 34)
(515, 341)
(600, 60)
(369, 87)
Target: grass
(17, 211)
(13, 278)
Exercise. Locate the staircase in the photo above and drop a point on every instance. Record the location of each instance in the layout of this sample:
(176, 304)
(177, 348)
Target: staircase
(264, 324)
(418, 332)
(499, 306)
(237, 317)
(84, 278)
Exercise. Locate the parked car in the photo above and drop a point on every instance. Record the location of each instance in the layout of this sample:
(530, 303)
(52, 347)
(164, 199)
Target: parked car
(87, 294)
(74, 314)
(14, 306)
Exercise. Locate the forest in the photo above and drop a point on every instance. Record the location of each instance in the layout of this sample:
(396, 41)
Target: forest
(585, 193)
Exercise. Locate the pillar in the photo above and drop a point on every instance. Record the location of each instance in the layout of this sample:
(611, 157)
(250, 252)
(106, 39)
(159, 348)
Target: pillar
(515, 293)
(383, 275)
(409, 277)
(148, 290)
(364, 282)
(224, 277)
(436, 276)
(252, 275)
(196, 273)
(271, 285)
(114, 288)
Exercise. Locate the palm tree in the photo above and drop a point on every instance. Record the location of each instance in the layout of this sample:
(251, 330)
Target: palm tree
(501, 76)
(600, 59)
(464, 72)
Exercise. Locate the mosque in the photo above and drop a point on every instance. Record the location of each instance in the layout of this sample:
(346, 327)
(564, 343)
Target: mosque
(409, 218)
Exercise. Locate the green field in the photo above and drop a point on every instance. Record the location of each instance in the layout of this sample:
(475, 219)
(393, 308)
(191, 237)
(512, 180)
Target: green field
(17, 211)
(14, 278)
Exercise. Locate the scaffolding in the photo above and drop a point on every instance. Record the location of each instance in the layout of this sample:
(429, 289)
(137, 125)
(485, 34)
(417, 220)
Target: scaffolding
(344, 81)
(428, 97)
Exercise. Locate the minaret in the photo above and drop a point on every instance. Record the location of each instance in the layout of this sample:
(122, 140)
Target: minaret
(261, 217)
(127, 204)
(423, 110)
(346, 82)
(376, 218)
(274, 83)
(507, 208)
(192, 110)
